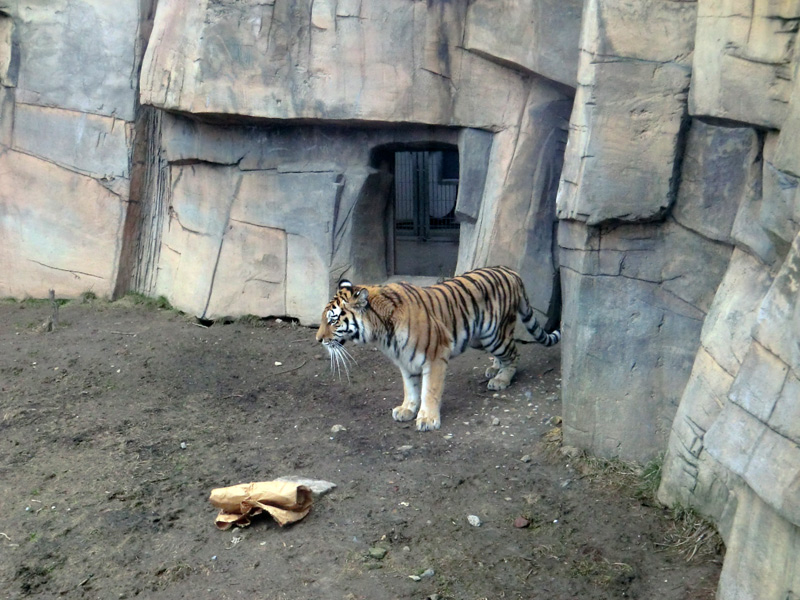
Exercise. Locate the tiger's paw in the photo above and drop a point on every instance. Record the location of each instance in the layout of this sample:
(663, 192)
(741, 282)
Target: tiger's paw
(498, 383)
(491, 372)
(428, 423)
(401, 413)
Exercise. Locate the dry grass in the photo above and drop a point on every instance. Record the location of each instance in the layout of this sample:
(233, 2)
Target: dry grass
(691, 535)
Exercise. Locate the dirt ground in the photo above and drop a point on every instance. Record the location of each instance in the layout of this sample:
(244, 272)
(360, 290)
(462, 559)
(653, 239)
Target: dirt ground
(115, 427)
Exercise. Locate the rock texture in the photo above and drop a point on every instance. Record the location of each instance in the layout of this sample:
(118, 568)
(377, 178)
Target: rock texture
(67, 109)
(239, 160)
(373, 67)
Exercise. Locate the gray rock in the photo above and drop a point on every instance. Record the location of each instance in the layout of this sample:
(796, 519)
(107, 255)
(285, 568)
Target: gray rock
(742, 77)
(623, 108)
(318, 487)
(719, 171)
(377, 552)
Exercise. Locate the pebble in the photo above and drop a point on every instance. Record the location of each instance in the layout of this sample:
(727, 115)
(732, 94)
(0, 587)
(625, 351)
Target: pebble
(521, 522)
(377, 552)
(337, 428)
(526, 458)
(496, 421)
(474, 520)
(318, 487)
(427, 573)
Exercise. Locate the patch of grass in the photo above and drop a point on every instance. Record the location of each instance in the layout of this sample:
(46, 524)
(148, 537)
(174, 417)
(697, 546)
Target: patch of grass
(690, 535)
(601, 571)
(253, 321)
(693, 536)
(160, 303)
(649, 480)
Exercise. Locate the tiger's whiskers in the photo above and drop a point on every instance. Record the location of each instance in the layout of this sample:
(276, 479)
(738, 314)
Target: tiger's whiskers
(341, 359)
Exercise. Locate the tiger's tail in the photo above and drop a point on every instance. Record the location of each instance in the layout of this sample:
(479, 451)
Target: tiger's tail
(532, 325)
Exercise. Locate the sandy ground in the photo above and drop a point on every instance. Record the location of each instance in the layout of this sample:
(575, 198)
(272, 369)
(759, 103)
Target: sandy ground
(115, 427)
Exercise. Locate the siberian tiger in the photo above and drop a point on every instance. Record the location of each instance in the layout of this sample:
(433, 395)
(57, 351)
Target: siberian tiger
(421, 328)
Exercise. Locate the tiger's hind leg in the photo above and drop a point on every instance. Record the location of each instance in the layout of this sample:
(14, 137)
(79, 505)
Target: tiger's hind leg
(504, 374)
(504, 361)
(494, 369)
(411, 398)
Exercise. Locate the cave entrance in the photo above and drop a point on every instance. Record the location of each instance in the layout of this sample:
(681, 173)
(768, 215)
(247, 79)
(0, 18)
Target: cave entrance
(425, 232)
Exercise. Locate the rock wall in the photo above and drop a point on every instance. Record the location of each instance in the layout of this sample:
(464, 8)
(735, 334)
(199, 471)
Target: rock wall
(328, 89)
(679, 233)
(647, 151)
(68, 107)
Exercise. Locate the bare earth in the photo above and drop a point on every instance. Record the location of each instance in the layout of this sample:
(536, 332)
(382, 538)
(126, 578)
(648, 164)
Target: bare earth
(115, 427)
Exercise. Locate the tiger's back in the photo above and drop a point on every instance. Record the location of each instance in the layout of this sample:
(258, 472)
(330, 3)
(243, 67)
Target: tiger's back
(421, 328)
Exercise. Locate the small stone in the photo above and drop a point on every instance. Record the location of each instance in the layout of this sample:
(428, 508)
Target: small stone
(318, 487)
(521, 522)
(183, 445)
(526, 458)
(474, 520)
(496, 421)
(405, 448)
(427, 573)
(415, 577)
(337, 428)
(570, 451)
(565, 483)
(278, 363)
(377, 552)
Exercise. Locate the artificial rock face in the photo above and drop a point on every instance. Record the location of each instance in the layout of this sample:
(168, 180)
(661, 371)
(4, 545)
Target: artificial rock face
(238, 160)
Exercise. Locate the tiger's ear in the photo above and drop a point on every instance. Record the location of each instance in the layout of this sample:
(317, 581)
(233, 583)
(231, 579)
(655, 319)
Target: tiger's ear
(360, 298)
(345, 284)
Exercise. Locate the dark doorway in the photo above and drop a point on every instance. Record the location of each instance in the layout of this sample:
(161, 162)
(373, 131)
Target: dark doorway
(425, 227)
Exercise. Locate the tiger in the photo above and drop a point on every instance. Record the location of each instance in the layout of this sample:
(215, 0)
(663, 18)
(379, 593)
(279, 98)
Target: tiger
(421, 328)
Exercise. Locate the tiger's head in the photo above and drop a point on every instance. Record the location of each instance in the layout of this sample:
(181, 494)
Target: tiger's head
(341, 319)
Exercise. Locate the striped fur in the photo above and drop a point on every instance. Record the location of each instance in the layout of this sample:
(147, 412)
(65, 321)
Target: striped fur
(421, 328)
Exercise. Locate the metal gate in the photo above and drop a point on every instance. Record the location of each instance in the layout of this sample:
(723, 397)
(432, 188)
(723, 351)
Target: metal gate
(425, 227)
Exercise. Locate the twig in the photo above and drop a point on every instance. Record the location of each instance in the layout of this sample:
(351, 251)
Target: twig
(123, 333)
(302, 364)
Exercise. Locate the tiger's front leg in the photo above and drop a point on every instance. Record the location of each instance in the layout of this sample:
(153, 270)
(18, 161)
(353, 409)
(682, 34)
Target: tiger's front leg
(411, 398)
(432, 387)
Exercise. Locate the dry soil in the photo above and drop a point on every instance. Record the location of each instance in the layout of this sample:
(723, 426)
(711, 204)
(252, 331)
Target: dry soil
(116, 425)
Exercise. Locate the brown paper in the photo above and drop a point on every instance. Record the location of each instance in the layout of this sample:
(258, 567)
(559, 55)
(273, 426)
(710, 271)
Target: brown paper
(285, 501)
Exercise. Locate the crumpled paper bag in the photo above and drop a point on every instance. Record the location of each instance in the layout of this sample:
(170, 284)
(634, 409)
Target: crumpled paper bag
(287, 502)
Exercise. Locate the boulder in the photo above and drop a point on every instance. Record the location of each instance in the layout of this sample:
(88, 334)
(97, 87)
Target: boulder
(541, 37)
(742, 60)
(630, 102)
(635, 299)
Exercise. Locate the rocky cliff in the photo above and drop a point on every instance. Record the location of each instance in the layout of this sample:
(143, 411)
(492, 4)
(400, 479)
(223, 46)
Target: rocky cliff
(236, 157)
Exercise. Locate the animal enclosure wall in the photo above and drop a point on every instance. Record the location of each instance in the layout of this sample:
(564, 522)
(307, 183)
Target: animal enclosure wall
(245, 171)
